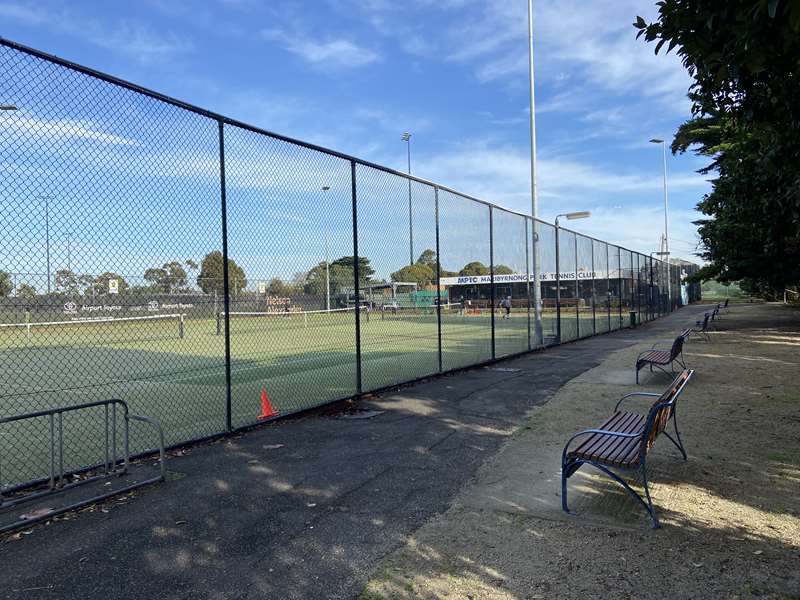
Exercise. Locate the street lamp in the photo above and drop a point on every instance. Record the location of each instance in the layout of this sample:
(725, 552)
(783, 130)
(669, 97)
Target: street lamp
(537, 292)
(666, 209)
(583, 214)
(326, 188)
(406, 137)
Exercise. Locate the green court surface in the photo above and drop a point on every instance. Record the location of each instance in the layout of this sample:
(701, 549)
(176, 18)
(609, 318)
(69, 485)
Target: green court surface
(301, 361)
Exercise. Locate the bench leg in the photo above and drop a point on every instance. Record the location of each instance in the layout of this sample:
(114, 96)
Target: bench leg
(570, 468)
(677, 440)
(649, 506)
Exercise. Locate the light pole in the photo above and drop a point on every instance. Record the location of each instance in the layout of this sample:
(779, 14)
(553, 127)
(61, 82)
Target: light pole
(583, 214)
(69, 253)
(406, 137)
(666, 211)
(47, 235)
(537, 290)
(326, 189)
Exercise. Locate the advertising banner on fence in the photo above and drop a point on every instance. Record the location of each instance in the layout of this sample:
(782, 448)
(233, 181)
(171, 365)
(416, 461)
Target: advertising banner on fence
(522, 277)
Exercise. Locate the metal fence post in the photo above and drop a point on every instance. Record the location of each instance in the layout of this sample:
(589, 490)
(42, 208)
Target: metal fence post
(491, 275)
(528, 278)
(594, 295)
(438, 279)
(356, 275)
(608, 289)
(558, 288)
(577, 293)
(225, 278)
(619, 287)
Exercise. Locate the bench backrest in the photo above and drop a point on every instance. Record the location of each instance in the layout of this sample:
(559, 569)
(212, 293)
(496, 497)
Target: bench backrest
(661, 411)
(677, 347)
(705, 321)
(726, 303)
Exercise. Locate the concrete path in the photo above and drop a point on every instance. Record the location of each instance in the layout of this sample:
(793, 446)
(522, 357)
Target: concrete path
(730, 514)
(304, 508)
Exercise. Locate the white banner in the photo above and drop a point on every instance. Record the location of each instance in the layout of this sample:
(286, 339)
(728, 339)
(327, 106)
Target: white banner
(522, 277)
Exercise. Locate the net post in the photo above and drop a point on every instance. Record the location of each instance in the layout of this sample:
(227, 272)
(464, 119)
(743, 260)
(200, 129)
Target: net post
(438, 280)
(225, 275)
(180, 326)
(491, 276)
(356, 274)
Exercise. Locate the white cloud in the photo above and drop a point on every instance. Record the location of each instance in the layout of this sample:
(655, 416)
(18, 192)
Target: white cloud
(592, 41)
(501, 174)
(338, 52)
(72, 128)
(131, 37)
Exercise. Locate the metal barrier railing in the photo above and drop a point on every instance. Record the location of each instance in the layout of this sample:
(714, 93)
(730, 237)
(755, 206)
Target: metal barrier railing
(114, 463)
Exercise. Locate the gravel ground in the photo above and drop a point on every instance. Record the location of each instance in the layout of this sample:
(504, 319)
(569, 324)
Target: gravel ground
(730, 514)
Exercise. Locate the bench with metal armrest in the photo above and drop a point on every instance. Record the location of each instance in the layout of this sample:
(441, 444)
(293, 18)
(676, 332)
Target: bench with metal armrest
(623, 441)
(659, 358)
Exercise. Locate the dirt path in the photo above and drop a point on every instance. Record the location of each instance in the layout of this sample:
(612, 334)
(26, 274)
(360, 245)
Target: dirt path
(730, 514)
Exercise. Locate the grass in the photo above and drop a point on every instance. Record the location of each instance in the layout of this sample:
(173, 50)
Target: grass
(301, 362)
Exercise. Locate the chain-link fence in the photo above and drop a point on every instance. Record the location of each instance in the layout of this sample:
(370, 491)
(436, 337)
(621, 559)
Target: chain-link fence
(208, 272)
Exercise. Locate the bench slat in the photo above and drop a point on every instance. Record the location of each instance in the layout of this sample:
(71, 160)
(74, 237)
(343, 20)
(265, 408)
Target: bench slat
(613, 450)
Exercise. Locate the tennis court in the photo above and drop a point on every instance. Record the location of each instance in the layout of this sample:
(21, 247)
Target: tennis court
(160, 216)
(172, 367)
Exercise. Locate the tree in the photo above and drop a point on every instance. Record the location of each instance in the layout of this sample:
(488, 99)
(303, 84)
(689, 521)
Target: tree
(428, 258)
(365, 270)
(743, 58)
(210, 279)
(503, 270)
(169, 277)
(418, 273)
(26, 291)
(342, 279)
(66, 282)
(6, 286)
(100, 283)
(278, 287)
(474, 269)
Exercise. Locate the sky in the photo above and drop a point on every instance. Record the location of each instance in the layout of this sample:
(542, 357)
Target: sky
(353, 75)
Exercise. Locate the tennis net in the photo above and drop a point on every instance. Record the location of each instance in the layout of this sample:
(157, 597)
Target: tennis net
(99, 330)
(256, 321)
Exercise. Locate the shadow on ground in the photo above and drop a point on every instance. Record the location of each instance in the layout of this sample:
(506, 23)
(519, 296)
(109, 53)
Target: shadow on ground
(304, 508)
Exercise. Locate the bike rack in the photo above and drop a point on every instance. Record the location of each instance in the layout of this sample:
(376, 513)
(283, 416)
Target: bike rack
(112, 464)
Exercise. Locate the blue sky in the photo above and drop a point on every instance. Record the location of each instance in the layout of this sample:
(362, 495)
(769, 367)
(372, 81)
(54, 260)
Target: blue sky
(354, 74)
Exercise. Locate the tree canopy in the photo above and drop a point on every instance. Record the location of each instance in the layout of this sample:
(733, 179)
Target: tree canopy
(744, 58)
(6, 285)
(211, 280)
(474, 268)
(417, 273)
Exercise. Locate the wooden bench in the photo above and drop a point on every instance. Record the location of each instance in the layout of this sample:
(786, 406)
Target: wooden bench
(701, 328)
(623, 441)
(660, 358)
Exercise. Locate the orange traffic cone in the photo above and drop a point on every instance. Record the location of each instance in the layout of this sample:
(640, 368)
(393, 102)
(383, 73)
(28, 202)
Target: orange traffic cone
(266, 406)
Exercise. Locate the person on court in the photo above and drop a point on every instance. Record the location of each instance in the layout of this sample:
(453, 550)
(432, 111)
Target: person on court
(506, 304)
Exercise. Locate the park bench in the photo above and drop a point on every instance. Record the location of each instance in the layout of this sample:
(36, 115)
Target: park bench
(623, 442)
(725, 306)
(659, 358)
(701, 328)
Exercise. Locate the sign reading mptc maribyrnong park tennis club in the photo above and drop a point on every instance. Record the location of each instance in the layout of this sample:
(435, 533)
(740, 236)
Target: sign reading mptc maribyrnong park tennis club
(522, 277)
